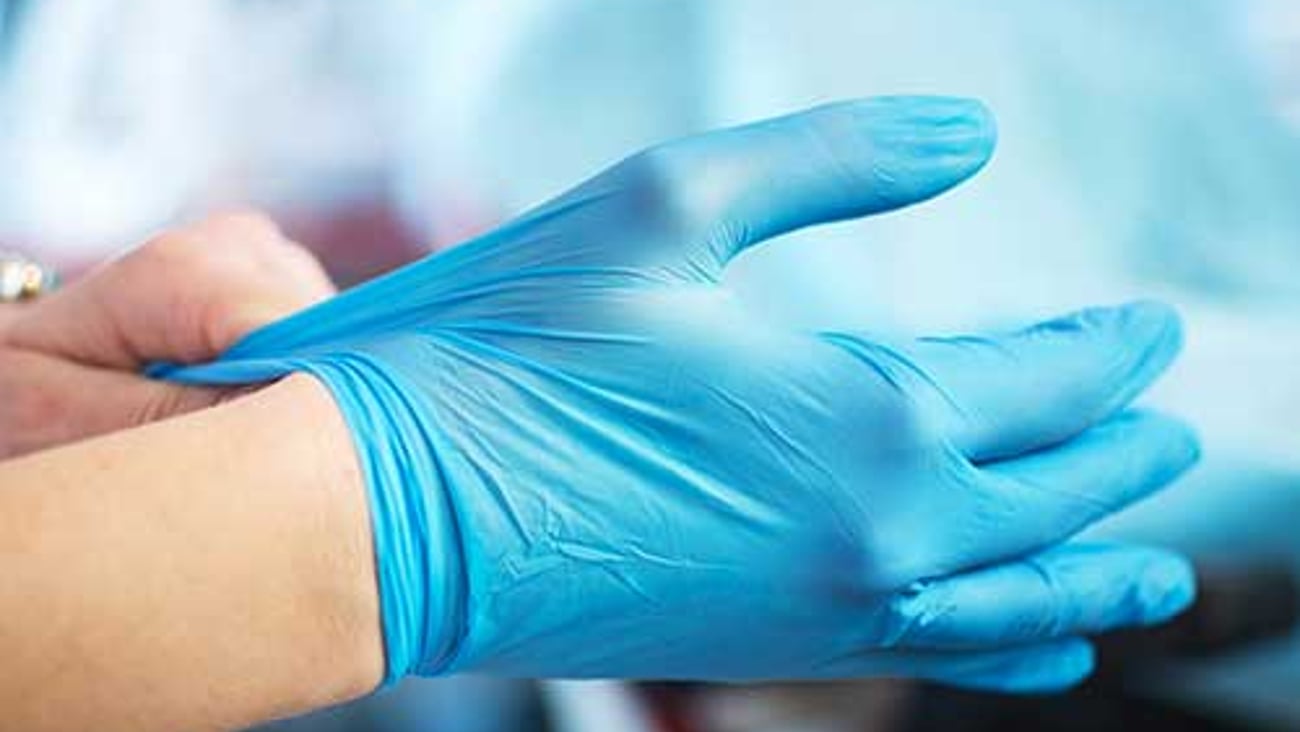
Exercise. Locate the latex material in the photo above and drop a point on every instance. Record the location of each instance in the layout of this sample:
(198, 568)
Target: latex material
(587, 458)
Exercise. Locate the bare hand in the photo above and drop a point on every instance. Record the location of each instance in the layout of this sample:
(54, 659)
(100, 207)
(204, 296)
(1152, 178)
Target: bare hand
(70, 362)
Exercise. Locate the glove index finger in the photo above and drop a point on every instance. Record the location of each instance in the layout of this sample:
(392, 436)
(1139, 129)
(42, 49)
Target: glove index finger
(1015, 394)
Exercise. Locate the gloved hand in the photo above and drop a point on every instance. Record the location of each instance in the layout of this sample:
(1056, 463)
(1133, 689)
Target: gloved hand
(586, 458)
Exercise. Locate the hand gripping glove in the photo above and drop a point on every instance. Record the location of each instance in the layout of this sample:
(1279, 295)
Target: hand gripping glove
(586, 457)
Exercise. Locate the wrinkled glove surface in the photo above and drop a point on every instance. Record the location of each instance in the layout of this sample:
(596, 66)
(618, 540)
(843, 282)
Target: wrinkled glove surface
(587, 458)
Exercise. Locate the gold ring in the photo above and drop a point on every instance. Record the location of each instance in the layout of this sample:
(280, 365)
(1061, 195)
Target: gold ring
(23, 279)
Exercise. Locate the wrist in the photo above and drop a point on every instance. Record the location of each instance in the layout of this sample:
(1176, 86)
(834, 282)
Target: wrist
(221, 561)
(300, 419)
(417, 568)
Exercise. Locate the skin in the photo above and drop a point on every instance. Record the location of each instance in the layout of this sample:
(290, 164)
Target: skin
(70, 361)
(207, 571)
(227, 578)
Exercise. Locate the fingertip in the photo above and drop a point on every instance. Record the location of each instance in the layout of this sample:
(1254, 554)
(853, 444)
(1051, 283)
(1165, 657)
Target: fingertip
(1189, 442)
(1153, 449)
(1151, 329)
(1046, 669)
(1171, 429)
(932, 110)
(1179, 442)
(1143, 322)
(1154, 323)
(984, 125)
(1150, 310)
(1151, 332)
(918, 146)
(1068, 664)
(984, 140)
(1078, 661)
(1167, 587)
(1113, 353)
(1133, 585)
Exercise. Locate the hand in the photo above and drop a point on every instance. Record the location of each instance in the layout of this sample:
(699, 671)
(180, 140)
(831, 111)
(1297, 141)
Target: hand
(70, 362)
(585, 457)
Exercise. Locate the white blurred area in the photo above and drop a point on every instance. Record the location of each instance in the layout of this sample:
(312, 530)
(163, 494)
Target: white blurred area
(1147, 150)
(1274, 34)
(122, 117)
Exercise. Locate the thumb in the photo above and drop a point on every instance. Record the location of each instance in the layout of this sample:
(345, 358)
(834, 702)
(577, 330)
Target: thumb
(735, 188)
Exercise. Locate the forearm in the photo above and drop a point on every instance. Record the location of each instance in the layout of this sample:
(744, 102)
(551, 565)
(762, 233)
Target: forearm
(204, 572)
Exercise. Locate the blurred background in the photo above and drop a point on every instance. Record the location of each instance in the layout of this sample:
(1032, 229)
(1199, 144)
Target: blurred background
(1147, 150)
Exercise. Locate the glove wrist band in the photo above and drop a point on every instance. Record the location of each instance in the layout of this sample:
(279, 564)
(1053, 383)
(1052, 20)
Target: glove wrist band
(420, 580)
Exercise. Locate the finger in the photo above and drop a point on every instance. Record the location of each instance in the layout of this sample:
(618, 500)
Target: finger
(1028, 503)
(1043, 669)
(185, 296)
(10, 312)
(1039, 668)
(1069, 590)
(271, 278)
(50, 401)
(727, 190)
(1005, 396)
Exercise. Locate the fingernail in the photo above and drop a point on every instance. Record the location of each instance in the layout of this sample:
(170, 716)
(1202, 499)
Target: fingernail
(935, 110)
(1155, 331)
(1140, 316)
(1148, 326)
(1168, 587)
(1080, 660)
(921, 146)
(1071, 664)
(935, 126)
(1151, 316)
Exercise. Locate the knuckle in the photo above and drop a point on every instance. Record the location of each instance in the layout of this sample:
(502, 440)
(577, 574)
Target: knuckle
(169, 247)
(905, 424)
(297, 263)
(887, 564)
(668, 189)
(225, 251)
(158, 269)
(651, 176)
(657, 168)
(211, 238)
(1049, 616)
(893, 397)
(249, 221)
(252, 245)
(248, 229)
(875, 564)
(839, 140)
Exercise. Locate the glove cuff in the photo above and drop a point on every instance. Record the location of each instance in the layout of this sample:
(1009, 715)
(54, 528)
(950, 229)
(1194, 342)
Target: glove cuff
(418, 561)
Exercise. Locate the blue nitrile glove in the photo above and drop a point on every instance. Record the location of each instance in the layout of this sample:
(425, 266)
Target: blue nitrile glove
(586, 458)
